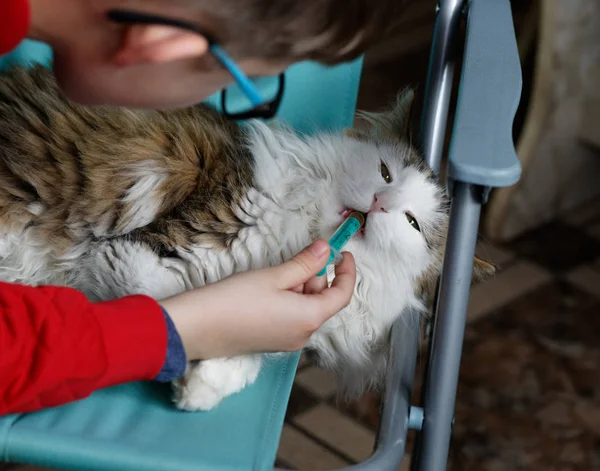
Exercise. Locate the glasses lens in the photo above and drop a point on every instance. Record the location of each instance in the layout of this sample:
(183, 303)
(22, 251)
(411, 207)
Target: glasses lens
(235, 102)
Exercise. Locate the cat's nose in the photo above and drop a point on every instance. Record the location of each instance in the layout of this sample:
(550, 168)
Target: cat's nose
(377, 205)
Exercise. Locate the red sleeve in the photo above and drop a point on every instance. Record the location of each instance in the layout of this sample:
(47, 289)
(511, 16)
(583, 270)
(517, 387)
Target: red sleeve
(57, 347)
(14, 23)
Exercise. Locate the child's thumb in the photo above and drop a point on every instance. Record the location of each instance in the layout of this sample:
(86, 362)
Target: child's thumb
(303, 266)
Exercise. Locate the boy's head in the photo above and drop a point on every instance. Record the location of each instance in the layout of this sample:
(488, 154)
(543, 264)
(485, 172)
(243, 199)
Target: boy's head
(97, 61)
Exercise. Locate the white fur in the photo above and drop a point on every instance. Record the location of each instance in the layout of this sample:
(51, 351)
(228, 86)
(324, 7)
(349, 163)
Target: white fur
(206, 384)
(302, 185)
(141, 201)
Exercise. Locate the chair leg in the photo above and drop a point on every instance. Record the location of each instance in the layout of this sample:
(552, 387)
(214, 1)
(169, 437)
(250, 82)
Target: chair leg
(446, 347)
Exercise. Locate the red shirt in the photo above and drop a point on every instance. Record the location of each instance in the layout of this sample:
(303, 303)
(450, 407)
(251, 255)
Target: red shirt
(57, 347)
(14, 23)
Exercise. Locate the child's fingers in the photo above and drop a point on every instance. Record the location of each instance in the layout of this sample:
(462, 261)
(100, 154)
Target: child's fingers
(315, 285)
(301, 268)
(333, 299)
(345, 273)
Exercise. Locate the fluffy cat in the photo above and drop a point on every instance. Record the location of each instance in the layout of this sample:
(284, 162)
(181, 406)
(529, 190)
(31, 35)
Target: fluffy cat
(117, 202)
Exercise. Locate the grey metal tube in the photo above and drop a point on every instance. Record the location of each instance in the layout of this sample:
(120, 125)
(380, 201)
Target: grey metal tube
(448, 333)
(391, 440)
(438, 88)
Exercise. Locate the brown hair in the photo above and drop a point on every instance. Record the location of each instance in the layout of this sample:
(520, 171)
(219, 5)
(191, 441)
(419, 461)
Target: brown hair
(326, 31)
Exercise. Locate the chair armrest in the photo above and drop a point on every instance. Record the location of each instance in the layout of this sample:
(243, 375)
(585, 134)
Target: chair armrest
(482, 151)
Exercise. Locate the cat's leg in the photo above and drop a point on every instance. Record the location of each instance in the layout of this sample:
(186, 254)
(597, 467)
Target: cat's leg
(118, 268)
(208, 382)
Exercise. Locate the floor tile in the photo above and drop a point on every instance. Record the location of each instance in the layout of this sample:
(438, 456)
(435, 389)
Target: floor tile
(365, 410)
(338, 431)
(555, 310)
(299, 451)
(586, 278)
(317, 381)
(505, 287)
(557, 246)
(300, 401)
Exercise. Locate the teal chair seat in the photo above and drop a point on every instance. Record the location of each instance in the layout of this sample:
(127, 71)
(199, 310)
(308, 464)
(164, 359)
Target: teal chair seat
(135, 427)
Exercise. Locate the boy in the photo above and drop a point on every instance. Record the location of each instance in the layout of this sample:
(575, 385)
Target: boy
(55, 345)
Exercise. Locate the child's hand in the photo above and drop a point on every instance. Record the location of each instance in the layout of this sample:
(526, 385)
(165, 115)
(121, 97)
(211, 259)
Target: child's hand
(262, 310)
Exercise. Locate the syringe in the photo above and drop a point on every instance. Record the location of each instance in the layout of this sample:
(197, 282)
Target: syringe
(341, 236)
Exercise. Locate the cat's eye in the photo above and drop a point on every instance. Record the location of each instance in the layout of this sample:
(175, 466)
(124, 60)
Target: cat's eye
(385, 173)
(412, 221)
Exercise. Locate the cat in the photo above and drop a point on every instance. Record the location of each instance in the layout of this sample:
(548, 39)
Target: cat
(117, 202)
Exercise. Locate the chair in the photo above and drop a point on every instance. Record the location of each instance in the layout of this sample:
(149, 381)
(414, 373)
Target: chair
(134, 428)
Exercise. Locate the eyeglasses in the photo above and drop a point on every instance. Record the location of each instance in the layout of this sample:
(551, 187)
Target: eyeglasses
(260, 108)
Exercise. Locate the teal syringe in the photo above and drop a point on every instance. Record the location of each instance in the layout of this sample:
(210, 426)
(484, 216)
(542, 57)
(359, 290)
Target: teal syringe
(341, 236)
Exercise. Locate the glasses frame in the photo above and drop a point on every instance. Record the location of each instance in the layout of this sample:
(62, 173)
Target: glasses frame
(262, 109)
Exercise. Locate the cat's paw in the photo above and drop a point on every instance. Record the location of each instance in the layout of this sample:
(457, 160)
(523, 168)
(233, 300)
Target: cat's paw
(205, 385)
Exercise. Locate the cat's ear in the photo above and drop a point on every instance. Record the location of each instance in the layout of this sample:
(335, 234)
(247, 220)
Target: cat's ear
(482, 270)
(395, 121)
(401, 112)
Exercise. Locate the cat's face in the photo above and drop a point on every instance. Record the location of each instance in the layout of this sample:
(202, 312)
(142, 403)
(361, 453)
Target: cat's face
(406, 208)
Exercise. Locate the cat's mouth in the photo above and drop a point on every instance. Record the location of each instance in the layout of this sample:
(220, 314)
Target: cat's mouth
(346, 212)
